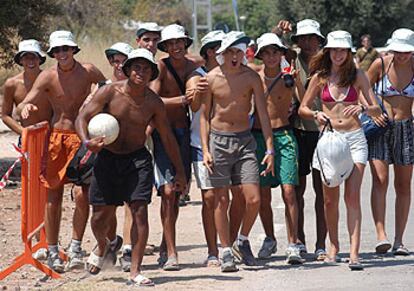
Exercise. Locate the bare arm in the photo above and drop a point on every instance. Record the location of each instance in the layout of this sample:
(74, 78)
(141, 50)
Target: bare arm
(160, 121)
(38, 90)
(305, 110)
(261, 108)
(205, 108)
(7, 108)
(95, 74)
(196, 88)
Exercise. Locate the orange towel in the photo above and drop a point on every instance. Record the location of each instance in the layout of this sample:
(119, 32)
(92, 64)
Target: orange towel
(62, 147)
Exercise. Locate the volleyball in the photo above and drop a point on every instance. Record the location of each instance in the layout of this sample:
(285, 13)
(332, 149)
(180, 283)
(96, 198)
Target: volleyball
(104, 124)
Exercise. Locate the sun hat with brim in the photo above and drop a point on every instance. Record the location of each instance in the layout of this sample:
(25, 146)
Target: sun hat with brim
(402, 41)
(118, 48)
(211, 40)
(267, 39)
(141, 53)
(339, 39)
(173, 31)
(145, 27)
(233, 38)
(61, 38)
(29, 46)
(306, 27)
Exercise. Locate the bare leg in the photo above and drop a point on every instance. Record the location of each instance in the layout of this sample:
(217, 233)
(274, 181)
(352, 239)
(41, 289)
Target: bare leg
(208, 221)
(299, 192)
(221, 206)
(402, 182)
(169, 214)
(237, 209)
(53, 214)
(321, 230)
(81, 213)
(379, 170)
(127, 224)
(251, 193)
(331, 198)
(353, 207)
(266, 213)
(139, 235)
(291, 212)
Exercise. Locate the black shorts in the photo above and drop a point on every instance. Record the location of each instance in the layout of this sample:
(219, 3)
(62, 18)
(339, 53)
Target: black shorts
(307, 141)
(119, 178)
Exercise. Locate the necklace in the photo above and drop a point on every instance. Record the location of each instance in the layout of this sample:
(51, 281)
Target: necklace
(271, 78)
(65, 71)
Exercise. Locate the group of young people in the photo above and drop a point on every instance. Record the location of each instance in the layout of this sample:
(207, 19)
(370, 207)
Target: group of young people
(238, 128)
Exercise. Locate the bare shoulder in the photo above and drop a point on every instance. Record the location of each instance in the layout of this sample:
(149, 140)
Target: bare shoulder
(12, 82)
(91, 68)
(251, 73)
(192, 65)
(153, 98)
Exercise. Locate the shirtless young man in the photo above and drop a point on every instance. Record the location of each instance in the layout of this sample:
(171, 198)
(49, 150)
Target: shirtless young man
(123, 170)
(148, 36)
(66, 85)
(174, 41)
(228, 146)
(271, 51)
(30, 57)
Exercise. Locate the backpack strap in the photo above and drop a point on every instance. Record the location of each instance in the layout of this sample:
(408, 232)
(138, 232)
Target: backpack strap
(173, 72)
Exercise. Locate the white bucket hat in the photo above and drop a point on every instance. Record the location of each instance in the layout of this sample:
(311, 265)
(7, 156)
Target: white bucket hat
(148, 27)
(118, 48)
(233, 38)
(306, 27)
(141, 53)
(61, 38)
(29, 46)
(339, 39)
(211, 39)
(402, 40)
(173, 31)
(268, 39)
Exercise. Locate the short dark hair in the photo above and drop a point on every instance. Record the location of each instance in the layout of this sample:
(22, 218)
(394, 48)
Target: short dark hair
(365, 36)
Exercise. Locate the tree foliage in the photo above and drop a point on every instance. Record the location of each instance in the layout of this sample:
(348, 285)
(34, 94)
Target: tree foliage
(23, 19)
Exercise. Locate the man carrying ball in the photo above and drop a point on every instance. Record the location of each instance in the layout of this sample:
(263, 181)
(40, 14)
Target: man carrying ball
(123, 170)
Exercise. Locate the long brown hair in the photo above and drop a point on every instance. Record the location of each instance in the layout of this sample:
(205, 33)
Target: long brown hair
(321, 64)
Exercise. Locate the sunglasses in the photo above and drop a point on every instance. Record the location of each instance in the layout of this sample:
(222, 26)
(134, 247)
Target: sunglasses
(59, 49)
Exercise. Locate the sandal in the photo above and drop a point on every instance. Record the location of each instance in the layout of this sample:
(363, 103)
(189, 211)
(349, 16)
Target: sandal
(212, 261)
(400, 250)
(141, 281)
(355, 266)
(113, 249)
(382, 247)
(171, 264)
(332, 261)
(97, 261)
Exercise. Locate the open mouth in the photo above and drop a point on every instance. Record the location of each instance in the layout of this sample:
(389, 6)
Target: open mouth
(234, 63)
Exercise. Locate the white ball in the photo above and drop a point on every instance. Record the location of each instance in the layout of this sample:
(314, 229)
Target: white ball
(104, 124)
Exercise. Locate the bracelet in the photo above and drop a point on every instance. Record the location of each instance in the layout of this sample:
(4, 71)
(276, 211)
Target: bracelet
(270, 152)
(86, 142)
(315, 114)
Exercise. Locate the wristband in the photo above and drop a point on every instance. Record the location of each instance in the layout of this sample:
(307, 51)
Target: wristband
(270, 152)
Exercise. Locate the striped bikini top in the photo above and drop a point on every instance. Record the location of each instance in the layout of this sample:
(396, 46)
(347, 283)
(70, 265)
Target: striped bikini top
(390, 90)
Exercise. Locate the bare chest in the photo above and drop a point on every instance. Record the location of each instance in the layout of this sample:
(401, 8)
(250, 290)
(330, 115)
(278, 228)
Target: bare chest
(69, 91)
(228, 91)
(129, 113)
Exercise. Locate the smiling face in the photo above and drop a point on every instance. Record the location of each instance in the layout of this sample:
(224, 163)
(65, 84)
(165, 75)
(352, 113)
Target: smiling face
(140, 72)
(339, 56)
(64, 55)
(402, 58)
(149, 41)
(30, 61)
(176, 48)
(271, 56)
(116, 62)
(233, 57)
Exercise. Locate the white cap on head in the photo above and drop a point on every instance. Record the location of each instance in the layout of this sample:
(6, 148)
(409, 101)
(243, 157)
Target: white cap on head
(339, 39)
(212, 38)
(402, 40)
(148, 27)
(141, 53)
(29, 46)
(61, 38)
(119, 48)
(235, 39)
(306, 27)
(267, 39)
(173, 31)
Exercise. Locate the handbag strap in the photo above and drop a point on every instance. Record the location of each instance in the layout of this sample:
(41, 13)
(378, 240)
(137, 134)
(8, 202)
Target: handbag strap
(326, 127)
(173, 72)
(381, 102)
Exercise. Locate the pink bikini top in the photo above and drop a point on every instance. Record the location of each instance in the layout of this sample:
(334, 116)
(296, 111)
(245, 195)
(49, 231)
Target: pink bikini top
(351, 95)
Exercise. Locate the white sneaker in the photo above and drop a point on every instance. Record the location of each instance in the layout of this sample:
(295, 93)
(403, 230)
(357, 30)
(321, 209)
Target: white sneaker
(40, 254)
(293, 255)
(75, 260)
(269, 247)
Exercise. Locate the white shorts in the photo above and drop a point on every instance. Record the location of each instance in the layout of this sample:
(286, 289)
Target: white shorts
(357, 144)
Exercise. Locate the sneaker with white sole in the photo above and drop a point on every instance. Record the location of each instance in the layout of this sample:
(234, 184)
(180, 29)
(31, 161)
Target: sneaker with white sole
(40, 254)
(125, 260)
(269, 247)
(228, 264)
(293, 255)
(302, 248)
(75, 260)
(55, 263)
